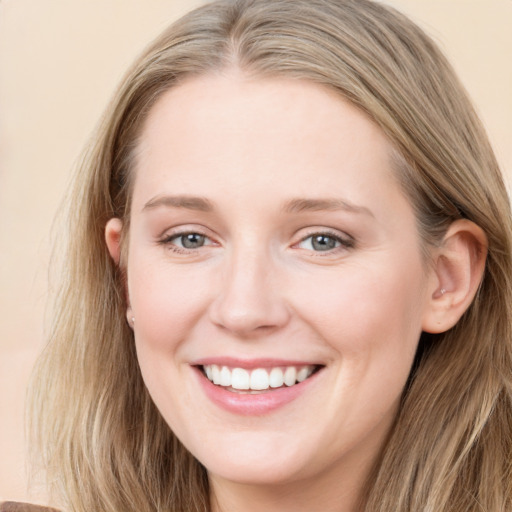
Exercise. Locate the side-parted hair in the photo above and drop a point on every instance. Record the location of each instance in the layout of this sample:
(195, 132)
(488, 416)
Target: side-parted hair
(105, 446)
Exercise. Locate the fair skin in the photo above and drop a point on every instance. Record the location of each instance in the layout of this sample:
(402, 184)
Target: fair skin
(268, 231)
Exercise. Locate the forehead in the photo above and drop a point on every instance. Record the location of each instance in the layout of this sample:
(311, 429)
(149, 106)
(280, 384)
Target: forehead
(227, 133)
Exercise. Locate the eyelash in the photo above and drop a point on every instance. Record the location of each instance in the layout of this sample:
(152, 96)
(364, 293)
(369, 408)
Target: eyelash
(169, 241)
(342, 243)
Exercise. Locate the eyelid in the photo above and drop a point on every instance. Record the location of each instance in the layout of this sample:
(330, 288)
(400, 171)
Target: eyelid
(183, 229)
(170, 234)
(346, 241)
(184, 234)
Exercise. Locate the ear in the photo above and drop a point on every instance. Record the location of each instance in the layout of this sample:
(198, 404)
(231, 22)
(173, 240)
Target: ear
(456, 274)
(113, 231)
(113, 238)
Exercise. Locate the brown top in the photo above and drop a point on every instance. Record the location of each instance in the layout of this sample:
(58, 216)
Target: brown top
(12, 506)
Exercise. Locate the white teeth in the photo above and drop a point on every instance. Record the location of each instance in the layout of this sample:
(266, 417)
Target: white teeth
(215, 374)
(258, 379)
(225, 376)
(290, 376)
(240, 378)
(302, 374)
(276, 379)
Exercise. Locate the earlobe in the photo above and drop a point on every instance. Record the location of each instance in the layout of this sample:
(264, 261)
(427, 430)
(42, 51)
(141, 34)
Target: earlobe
(113, 238)
(457, 271)
(129, 317)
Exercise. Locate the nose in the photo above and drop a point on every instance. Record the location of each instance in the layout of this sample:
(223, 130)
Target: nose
(250, 302)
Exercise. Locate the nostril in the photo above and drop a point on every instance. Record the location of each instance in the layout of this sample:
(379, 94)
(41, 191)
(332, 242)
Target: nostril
(248, 316)
(249, 300)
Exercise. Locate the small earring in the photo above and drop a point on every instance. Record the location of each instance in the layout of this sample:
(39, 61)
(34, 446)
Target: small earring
(442, 292)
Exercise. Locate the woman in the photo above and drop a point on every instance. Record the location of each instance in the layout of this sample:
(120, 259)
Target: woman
(288, 279)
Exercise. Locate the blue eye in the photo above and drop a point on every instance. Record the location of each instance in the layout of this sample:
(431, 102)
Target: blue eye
(323, 242)
(192, 240)
(188, 240)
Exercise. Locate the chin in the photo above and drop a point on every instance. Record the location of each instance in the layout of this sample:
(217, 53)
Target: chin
(258, 463)
(270, 472)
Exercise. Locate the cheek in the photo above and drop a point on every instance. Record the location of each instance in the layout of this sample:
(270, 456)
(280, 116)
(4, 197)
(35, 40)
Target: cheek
(372, 320)
(363, 309)
(166, 302)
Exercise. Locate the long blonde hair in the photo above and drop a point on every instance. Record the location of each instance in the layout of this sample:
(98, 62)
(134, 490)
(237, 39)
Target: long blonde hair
(104, 444)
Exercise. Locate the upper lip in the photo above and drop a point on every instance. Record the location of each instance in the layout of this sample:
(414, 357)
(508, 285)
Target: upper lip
(248, 364)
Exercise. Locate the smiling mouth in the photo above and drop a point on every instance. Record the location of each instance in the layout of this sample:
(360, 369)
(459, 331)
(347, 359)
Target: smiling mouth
(257, 380)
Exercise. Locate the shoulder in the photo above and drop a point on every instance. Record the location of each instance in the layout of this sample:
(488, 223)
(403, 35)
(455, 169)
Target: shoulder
(13, 506)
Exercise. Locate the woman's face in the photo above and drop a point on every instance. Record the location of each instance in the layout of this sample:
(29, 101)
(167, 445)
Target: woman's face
(270, 243)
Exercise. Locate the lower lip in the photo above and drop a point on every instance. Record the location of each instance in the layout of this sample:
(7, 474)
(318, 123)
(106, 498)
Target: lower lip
(246, 404)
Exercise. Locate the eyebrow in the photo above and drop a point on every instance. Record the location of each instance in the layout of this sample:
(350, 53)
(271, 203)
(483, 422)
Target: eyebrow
(188, 202)
(315, 205)
(298, 205)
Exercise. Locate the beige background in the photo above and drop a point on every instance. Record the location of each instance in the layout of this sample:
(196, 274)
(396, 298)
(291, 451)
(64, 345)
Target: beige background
(59, 62)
